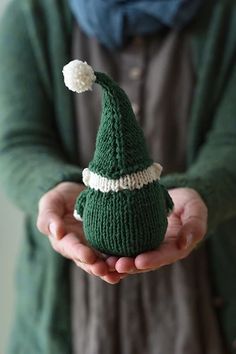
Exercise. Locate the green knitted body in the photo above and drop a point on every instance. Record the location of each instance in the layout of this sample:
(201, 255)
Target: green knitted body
(125, 223)
(124, 208)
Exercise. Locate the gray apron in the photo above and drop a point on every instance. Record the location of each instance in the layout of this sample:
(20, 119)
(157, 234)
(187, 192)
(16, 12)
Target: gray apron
(168, 311)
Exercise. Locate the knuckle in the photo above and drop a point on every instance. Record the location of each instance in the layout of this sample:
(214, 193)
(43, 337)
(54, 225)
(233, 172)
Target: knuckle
(57, 247)
(83, 266)
(60, 249)
(64, 252)
(77, 261)
(54, 246)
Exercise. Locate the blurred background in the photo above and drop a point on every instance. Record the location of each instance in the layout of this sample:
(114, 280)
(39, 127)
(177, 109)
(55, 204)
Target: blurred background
(10, 234)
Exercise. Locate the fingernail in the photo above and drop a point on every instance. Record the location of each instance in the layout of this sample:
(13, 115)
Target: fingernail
(53, 230)
(189, 240)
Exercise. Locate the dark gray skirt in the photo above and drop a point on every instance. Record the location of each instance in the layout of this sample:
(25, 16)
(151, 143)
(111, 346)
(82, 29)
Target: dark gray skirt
(167, 311)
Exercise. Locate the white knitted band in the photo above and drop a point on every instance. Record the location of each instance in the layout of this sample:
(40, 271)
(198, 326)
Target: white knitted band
(77, 216)
(133, 181)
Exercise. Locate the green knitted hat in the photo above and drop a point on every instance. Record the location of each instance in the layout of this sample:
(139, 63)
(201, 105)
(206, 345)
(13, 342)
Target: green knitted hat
(124, 207)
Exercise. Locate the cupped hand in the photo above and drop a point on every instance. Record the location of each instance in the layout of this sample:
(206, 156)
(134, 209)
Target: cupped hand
(187, 226)
(55, 219)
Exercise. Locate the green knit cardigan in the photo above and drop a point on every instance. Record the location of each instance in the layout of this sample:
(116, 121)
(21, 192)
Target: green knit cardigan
(38, 151)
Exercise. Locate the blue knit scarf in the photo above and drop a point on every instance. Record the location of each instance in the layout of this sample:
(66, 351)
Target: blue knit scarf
(113, 21)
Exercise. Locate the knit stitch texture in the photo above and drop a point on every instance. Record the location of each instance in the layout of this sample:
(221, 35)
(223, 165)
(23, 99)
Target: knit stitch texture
(120, 147)
(125, 212)
(125, 223)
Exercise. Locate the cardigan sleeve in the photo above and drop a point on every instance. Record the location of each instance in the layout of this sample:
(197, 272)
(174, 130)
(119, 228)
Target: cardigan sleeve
(213, 173)
(32, 160)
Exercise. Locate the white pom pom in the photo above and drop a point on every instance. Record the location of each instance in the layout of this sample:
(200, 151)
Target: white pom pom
(78, 76)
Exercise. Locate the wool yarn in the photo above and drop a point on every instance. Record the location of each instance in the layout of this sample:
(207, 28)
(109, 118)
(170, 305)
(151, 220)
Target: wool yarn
(124, 208)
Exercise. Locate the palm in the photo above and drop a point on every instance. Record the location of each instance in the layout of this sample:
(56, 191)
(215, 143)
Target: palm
(56, 218)
(189, 218)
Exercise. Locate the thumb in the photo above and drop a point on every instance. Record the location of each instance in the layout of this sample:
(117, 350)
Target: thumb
(189, 235)
(194, 221)
(50, 221)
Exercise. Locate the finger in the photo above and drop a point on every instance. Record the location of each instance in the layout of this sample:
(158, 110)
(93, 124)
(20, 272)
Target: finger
(167, 253)
(50, 223)
(91, 269)
(56, 227)
(103, 273)
(191, 233)
(125, 265)
(84, 267)
(99, 268)
(49, 219)
(194, 221)
(79, 251)
(101, 255)
(56, 248)
(111, 262)
(71, 247)
(113, 278)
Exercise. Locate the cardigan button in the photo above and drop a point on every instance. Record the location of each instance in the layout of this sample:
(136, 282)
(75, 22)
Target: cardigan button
(135, 73)
(218, 302)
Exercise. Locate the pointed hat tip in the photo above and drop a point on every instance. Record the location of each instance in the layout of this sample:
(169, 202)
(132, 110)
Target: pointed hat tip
(78, 76)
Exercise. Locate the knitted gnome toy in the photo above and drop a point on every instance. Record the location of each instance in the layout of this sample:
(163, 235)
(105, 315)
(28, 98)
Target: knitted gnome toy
(124, 207)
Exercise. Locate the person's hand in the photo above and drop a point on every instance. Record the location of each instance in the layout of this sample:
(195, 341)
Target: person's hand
(187, 226)
(55, 219)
